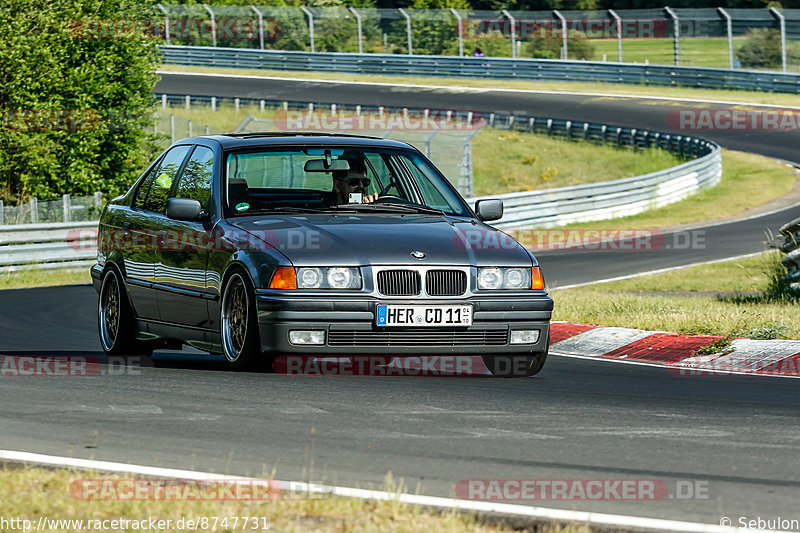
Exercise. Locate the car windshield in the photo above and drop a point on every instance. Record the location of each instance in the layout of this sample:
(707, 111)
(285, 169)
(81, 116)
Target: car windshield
(322, 178)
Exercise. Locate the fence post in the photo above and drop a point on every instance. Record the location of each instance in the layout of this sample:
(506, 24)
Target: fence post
(34, 210)
(166, 21)
(729, 24)
(189, 127)
(188, 100)
(358, 29)
(67, 208)
(236, 104)
(564, 50)
(260, 26)
(213, 103)
(460, 32)
(310, 26)
(261, 105)
(676, 31)
(98, 200)
(782, 22)
(408, 28)
(513, 32)
(172, 127)
(163, 101)
(208, 130)
(619, 33)
(213, 25)
(2, 213)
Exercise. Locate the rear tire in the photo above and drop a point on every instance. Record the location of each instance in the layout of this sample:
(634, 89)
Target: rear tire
(115, 320)
(241, 342)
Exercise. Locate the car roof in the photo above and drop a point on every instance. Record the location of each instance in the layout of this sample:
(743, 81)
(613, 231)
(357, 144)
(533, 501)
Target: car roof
(251, 139)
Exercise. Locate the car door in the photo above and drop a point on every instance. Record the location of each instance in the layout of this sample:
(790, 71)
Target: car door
(182, 260)
(146, 217)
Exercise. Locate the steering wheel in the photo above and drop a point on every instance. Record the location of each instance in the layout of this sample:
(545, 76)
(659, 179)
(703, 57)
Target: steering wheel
(389, 198)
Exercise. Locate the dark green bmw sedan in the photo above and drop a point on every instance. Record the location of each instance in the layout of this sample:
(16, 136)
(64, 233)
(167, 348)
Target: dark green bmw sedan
(254, 246)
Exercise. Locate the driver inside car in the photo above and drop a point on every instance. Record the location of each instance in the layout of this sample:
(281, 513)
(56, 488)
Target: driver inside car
(353, 181)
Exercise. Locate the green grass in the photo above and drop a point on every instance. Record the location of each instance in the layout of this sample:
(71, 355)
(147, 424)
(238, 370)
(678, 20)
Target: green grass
(29, 493)
(44, 278)
(694, 52)
(665, 302)
(778, 99)
(748, 181)
(506, 161)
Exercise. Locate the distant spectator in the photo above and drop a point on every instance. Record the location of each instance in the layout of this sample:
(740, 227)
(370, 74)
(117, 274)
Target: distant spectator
(478, 52)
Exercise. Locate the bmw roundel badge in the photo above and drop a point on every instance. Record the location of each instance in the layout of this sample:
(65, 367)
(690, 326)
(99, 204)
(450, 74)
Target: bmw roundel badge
(418, 255)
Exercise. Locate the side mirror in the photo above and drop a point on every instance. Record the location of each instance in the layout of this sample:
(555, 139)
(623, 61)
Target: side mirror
(184, 209)
(488, 210)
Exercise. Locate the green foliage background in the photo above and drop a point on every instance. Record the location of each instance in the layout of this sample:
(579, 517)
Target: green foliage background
(43, 66)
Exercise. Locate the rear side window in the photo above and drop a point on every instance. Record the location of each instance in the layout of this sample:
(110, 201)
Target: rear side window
(144, 188)
(196, 179)
(161, 185)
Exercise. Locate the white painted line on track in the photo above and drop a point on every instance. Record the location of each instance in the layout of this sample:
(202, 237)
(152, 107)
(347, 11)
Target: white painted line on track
(659, 271)
(468, 89)
(503, 509)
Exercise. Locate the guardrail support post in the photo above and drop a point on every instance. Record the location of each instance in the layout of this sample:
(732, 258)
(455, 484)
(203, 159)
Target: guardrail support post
(358, 29)
(2, 213)
(782, 22)
(189, 128)
(166, 21)
(260, 26)
(513, 32)
(67, 208)
(236, 104)
(213, 26)
(188, 100)
(460, 32)
(618, 20)
(163, 101)
(729, 24)
(564, 50)
(213, 103)
(676, 31)
(408, 28)
(310, 26)
(34, 210)
(172, 127)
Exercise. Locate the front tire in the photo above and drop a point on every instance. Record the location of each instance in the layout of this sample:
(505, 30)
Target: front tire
(115, 321)
(241, 343)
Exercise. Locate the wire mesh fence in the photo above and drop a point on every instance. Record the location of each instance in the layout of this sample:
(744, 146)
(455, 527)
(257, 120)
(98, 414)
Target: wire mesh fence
(705, 37)
(67, 209)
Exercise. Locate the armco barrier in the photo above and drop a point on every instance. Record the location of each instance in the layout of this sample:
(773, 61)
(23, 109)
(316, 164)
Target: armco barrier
(791, 247)
(70, 244)
(484, 67)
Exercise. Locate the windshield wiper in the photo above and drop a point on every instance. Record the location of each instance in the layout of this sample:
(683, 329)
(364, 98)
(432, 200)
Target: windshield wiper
(291, 209)
(392, 207)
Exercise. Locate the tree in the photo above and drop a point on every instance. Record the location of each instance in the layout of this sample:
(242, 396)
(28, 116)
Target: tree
(76, 104)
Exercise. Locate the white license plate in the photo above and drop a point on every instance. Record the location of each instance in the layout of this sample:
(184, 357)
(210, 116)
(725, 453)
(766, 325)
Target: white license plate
(424, 315)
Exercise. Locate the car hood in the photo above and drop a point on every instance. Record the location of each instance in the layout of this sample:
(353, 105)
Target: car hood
(363, 239)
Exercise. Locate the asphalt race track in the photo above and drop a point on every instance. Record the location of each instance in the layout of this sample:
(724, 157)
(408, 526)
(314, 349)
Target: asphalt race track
(734, 437)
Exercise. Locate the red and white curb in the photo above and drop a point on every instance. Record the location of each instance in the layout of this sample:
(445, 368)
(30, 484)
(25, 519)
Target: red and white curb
(535, 515)
(677, 352)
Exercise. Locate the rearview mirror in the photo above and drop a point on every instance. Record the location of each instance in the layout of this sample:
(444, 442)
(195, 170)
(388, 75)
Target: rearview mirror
(322, 165)
(488, 210)
(184, 209)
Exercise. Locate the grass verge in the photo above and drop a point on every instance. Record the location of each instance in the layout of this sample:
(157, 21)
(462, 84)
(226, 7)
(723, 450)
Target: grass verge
(30, 493)
(776, 99)
(44, 278)
(728, 298)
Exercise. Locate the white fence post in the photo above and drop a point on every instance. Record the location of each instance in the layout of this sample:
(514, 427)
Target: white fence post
(513, 33)
(236, 103)
(2, 213)
(782, 22)
(618, 20)
(213, 26)
(260, 26)
(729, 24)
(67, 208)
(163, 101)
(460, 24)
(188, 99)
(676, 33)
(166, 21)
(564, 31)
(98, 200)
(358, 29)
(189, 127)
(172, 127)
(408, 30)
(310, 26)
(34, 210)
(213, 103)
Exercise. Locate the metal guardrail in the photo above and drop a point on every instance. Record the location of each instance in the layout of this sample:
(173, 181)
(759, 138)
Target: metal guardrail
(66, 244)
(791, 247)
(484, 67)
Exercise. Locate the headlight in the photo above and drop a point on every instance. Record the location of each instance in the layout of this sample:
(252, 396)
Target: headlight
(328, 278)
(494, 278)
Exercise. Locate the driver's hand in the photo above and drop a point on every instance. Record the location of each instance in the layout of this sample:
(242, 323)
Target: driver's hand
(369, 198)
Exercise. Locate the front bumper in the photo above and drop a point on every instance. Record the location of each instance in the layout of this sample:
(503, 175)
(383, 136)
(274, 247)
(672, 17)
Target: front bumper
(349, 326)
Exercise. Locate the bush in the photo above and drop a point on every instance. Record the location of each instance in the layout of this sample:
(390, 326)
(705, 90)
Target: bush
(578, 47)
(76, 108)
(762, 49)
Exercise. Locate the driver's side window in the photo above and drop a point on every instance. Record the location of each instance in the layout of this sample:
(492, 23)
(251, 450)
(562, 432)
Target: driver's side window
(381, 176)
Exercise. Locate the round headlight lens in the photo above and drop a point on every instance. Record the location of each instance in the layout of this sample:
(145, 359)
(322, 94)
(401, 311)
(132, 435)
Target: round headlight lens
(309, 278)
(490, 278)
(339, 278)
(515, 278)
